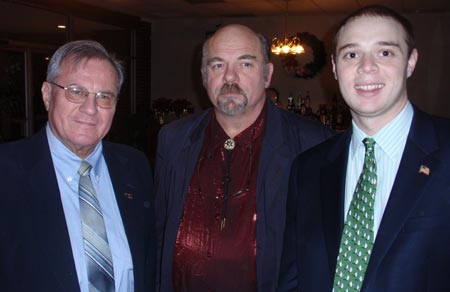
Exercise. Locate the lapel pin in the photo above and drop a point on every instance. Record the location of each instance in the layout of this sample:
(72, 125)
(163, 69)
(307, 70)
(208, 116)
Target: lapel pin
(424, 170)
(128, 195)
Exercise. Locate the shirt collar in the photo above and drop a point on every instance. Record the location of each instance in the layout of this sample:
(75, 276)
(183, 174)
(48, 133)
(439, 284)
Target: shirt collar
(388, 138)
(62, 153)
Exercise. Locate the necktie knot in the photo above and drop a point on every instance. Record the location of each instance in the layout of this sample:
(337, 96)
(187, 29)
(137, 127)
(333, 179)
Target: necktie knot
(369, 143)
(85, 168)
(369, 158)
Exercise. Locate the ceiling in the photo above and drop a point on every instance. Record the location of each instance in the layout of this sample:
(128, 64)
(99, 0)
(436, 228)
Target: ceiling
(38, 18)
(169, 9)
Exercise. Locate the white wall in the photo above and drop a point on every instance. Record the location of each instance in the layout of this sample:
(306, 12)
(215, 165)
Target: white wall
(176, 48)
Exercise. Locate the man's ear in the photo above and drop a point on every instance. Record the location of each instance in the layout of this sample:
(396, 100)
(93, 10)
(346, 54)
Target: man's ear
(46, 91)
(412, 61)
(268, 77)
(334, 67)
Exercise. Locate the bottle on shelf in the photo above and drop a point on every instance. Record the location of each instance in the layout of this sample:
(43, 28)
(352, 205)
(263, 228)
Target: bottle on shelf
(332, 113)
(300, 106)
(340, 116)
(290, 106)
(323, 113)
(307, 102)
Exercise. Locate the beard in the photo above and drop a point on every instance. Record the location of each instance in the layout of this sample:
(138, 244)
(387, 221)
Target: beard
(231, 105)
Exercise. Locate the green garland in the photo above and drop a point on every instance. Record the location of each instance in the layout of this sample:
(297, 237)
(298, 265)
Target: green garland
(311, 69)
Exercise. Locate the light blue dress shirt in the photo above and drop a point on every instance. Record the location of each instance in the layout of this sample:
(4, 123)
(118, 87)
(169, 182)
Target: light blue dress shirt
(390, 143)
(66, 165)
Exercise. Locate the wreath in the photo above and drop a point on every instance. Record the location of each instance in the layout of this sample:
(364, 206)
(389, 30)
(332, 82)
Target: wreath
(311, 69)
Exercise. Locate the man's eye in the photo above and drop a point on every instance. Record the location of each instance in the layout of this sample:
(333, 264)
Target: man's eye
(76, 90)
(217, 66)
(247, 64)
(386, 53)
(350, 55)
(104, 96)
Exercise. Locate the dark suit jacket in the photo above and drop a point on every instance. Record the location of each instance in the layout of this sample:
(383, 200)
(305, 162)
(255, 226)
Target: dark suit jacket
(412, 248)
(179, 145)
(35, 250)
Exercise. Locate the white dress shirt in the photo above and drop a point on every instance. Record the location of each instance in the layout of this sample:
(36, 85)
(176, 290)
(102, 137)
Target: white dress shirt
(390, 143)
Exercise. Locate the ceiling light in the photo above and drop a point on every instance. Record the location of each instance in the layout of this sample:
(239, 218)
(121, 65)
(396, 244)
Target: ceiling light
(286, 45)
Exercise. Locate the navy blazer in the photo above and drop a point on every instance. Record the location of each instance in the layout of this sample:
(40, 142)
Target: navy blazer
(412, 248)
(179, 145)
(35, 250)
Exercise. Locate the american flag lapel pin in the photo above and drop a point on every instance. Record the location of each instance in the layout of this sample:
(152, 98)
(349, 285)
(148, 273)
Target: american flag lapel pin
(129, 196)
(424, 170)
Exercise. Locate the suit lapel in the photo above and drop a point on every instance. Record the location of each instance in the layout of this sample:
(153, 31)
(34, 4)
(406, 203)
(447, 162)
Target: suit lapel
(124, 185)
(52, 236)
(188, 158)
(408, 188)
(332, 194)
(273, 158)
(273, 170)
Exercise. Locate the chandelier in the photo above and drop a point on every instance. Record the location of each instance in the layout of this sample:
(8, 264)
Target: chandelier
(286, 45)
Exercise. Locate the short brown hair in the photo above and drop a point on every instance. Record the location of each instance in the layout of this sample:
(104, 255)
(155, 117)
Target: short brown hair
(379, 11)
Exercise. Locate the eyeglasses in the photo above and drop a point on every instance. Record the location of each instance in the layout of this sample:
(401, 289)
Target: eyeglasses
(79, 94)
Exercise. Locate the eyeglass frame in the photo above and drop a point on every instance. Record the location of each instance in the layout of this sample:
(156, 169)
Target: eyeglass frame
(85, 94)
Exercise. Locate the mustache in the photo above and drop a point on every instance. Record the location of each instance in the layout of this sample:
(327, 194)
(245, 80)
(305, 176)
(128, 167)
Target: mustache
(231, 88)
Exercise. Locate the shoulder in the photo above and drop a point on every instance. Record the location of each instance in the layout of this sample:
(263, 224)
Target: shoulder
(442, 130)
(297, 130)
(179, 130)
(186, 123)
(442, 126)
(11, 153)
(424, 125)
(11, 147)
(121, 148)
(326, 151)
(296, 122)
(124, 153)
(24, 149)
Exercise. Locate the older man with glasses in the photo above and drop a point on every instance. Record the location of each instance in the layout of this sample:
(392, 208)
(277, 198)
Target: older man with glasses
(76, 213)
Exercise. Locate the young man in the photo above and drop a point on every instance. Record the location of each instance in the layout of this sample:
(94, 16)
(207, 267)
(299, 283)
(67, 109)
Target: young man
(387, 229)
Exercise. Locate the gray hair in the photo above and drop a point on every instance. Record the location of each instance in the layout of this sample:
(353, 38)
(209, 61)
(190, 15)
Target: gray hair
(265, 50)
(78, 51)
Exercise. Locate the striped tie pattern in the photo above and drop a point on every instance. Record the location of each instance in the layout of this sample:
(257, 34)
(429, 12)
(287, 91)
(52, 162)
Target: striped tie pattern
(358, 237)
(98, 255)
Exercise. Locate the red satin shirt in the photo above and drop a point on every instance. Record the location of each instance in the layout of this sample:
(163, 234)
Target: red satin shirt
(208, 258)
